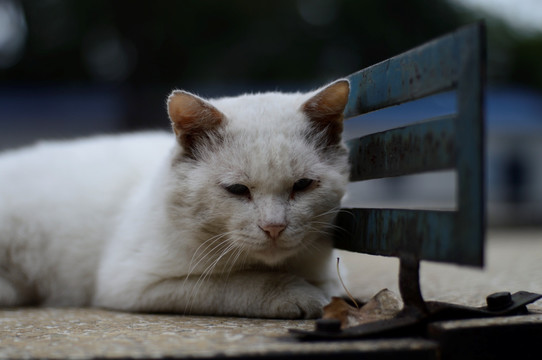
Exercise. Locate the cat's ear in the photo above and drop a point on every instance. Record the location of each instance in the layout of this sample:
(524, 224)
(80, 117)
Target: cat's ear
(192, 118)
(325, 110)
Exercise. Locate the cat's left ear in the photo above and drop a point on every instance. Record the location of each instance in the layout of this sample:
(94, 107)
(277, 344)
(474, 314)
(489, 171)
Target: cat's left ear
(325, 110)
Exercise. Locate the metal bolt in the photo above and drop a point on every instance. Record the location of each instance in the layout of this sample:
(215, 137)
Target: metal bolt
(499, 301)
(328, 325)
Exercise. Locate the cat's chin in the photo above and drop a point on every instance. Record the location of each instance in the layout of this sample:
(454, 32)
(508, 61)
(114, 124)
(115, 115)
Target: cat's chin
(273, 256)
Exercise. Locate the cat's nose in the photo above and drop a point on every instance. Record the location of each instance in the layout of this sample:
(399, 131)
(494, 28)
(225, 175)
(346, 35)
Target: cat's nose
(273, 230)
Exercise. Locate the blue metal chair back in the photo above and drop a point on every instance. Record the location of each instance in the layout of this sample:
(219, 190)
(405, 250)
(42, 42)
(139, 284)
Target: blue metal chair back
(454, 62)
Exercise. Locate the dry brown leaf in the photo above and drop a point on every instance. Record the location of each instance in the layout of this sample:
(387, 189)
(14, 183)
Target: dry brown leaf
(384, 305)
(339, 309)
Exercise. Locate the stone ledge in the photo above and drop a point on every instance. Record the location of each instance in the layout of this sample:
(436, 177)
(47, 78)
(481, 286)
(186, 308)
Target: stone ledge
(92, 333)
(513, 263)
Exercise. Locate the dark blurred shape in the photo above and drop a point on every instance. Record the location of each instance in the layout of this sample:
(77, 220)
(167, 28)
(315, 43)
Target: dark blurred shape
(182, 43)
(108, 56)
(13, 32)
(526, 61)
(37, 112)
(318, 12)
(515, 171)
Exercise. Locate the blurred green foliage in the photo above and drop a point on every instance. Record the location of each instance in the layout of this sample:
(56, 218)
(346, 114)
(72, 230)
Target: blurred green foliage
(172, 42)
(266, 42)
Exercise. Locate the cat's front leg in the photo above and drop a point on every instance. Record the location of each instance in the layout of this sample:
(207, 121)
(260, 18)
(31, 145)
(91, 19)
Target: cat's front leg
(248, 293)
(275, 295)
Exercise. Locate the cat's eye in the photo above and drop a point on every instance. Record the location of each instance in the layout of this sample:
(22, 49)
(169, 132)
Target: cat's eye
(238, 189)
(302, 184)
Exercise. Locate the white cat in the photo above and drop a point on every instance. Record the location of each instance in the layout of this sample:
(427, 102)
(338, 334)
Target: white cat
(232, 216)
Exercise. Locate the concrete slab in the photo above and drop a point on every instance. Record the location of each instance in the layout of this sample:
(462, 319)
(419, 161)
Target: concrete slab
(93, 333)
(514, 262)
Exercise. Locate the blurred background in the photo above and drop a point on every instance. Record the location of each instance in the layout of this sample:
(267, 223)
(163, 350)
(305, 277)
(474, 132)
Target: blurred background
(75, 68)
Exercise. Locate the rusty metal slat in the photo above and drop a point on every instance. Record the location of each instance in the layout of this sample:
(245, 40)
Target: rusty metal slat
(425, 70)
(455, 61)
(422, 147)
(470, 146)
(427, 235)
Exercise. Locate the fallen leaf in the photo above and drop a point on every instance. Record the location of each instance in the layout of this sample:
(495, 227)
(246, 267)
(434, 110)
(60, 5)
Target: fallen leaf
(384, 305)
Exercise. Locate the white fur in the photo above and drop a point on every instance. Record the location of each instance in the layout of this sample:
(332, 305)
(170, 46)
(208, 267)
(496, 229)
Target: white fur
(125, 222)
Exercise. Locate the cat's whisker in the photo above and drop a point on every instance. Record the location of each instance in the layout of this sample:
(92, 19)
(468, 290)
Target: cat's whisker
(206, 256)
(327, 226)
(235, 261)
(310, 247)
(319, 226)
(207, 243)
(227, 248)
(196, 287)
(243, 261)
(230, 252)
(214, 246)
(335, 211)
(231, 264)
(196, 256)
(345, 211)
(213, 255)
(331, 211)
(325, 232)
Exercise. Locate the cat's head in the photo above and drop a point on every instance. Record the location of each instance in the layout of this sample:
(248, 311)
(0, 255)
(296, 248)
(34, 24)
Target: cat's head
(263, 174)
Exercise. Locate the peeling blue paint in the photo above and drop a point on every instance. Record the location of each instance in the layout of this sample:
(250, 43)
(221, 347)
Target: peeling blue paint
(453, 62)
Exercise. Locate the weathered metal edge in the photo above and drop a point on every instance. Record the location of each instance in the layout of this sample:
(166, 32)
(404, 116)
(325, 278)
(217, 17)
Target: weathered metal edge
(423, 147)
(425, 70)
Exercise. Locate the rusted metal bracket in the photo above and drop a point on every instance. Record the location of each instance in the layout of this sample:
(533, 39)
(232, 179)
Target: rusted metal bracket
(414, 323)
(409, 286)
(417, 314)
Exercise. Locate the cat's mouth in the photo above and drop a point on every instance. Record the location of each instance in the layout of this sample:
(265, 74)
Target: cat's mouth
(273, 253)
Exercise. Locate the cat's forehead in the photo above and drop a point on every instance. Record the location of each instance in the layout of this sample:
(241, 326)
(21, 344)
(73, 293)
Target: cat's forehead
(266, 165)
(267, 110)
(265, 141)
(262, 152)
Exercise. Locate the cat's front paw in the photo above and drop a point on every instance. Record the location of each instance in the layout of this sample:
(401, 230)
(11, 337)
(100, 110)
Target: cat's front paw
(295, 298)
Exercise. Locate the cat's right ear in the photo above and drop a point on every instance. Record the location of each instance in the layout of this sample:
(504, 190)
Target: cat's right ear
(192, 118)
(325, 110)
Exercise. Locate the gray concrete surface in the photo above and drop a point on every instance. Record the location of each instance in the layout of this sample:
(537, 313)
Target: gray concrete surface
(513, 263)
